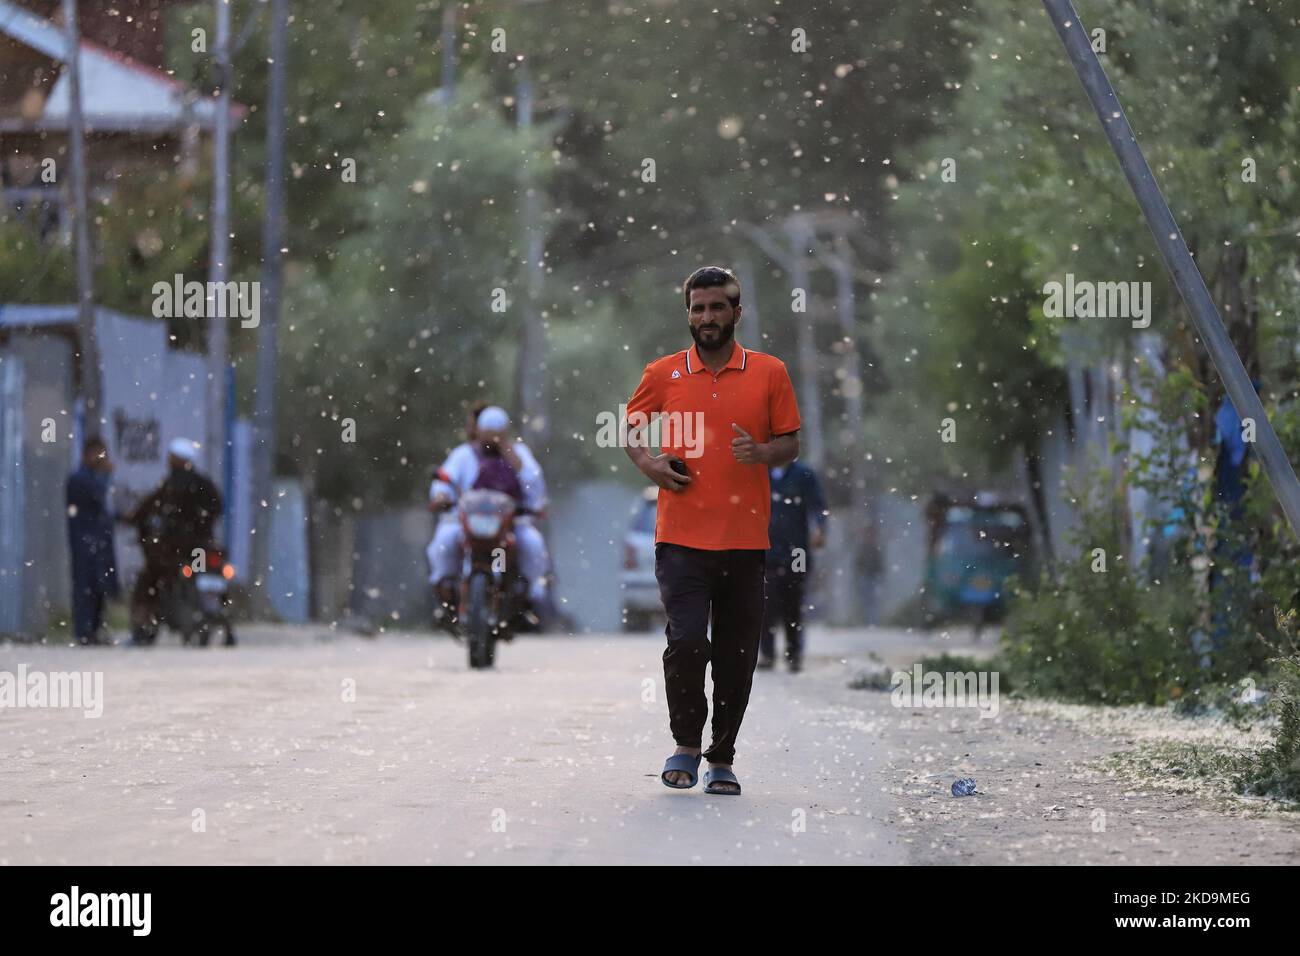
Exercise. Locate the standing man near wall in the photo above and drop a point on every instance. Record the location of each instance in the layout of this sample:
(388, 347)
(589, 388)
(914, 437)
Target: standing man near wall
(731, 414)
(798, 526)
(90, 542)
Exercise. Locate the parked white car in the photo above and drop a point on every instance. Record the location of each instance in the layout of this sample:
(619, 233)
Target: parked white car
(642, 607)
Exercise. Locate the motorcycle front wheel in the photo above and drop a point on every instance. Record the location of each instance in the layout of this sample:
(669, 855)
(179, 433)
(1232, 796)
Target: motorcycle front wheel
(478, 627)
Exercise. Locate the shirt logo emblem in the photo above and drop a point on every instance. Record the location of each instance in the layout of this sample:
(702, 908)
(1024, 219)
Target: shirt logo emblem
(676, 374)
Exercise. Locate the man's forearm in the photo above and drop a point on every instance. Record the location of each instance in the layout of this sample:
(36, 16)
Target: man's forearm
(782, 450)
(639, 455)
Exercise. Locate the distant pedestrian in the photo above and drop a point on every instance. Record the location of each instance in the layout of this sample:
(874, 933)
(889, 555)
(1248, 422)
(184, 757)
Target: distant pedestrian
(798, 527)
(871, 569)
(90, 542)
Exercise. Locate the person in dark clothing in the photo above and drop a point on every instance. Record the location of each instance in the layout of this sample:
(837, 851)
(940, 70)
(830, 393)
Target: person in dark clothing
(90, 541)
(1234, 558)
(798, 525)
(176, 518)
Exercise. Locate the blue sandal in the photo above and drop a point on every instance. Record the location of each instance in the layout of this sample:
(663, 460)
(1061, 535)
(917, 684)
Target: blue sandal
(721, 775)
(686, 763)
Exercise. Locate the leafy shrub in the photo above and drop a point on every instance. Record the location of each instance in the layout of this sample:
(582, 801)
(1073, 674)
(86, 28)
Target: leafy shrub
(1275, 771)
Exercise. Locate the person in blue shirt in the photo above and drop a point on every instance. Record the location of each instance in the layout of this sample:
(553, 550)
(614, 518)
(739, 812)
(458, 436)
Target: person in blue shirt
(90, 541)
(1233, 567)
(797, 526)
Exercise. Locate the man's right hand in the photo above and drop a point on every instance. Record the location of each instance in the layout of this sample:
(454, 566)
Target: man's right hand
(660, 471)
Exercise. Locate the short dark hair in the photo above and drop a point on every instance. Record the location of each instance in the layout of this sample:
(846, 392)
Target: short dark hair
(93, 446)
(712, 277)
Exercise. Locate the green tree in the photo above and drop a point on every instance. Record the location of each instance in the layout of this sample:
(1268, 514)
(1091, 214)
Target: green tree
(406, 326)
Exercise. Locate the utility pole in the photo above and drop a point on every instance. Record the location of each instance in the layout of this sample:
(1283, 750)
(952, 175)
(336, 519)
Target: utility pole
(810, 405)
(91, 390)
(749, 307)
(267, 343)
(858, 517)
(448, 90)
(851, 376)
(793, 260)
(219, 253)
(532, 374)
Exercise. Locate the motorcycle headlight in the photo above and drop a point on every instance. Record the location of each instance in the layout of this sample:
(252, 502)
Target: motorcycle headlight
(483, 526)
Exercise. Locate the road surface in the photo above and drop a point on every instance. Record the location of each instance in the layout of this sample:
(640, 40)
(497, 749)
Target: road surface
(304, 745)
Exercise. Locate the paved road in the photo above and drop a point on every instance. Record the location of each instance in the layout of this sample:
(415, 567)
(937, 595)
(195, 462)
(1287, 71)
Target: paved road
(253, 755)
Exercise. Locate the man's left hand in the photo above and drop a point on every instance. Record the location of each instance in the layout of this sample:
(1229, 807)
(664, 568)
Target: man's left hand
(746, 450)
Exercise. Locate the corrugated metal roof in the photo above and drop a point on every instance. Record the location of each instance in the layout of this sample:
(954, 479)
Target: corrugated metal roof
(118, 94)
(27, 28)
(37, 316)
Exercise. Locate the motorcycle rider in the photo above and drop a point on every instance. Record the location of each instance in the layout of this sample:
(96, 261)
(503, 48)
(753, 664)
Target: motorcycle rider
(491, 458)
(172, 521)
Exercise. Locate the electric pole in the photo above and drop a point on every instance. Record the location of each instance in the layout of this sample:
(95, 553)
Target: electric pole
(91, 389)
(219, 254)
(267, 344)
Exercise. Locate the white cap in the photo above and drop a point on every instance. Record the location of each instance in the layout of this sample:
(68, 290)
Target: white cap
(184, 448)
(493, 419)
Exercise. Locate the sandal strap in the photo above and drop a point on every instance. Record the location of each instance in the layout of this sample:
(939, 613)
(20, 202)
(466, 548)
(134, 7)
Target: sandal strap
(687, 763)
(681, 763)
(720, 775)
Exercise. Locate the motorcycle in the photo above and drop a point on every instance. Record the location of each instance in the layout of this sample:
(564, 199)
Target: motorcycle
(494, 595)
(192, 599)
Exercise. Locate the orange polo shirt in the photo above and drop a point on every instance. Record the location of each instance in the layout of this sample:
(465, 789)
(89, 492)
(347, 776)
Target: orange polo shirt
(727, 505)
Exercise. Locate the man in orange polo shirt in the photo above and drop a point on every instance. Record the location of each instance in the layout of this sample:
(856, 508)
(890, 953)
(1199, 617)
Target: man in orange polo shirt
(728, 414)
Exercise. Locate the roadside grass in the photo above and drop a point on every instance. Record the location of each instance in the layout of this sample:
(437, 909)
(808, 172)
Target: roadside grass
(1112, 639)
(880, 677)
(1219, 739)
(1205, 769)
(1240, 739)
(1275, 771)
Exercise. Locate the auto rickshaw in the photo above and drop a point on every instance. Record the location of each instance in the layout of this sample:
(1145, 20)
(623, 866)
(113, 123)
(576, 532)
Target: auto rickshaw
(975, 545)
